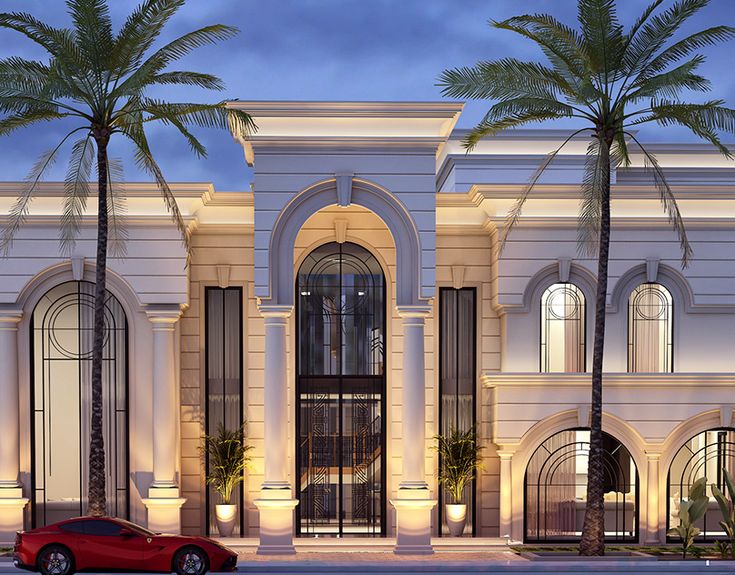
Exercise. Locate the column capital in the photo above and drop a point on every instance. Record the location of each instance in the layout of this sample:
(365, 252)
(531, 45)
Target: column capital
(275, 311)
(163, 316)
(416, 312)
(10, 317)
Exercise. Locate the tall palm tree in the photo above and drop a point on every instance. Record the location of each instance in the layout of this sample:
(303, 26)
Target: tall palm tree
(98, 81)
(611, 80)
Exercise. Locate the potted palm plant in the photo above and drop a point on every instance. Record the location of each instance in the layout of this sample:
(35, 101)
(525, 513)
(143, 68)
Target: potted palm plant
(460, 457)
(227, 454)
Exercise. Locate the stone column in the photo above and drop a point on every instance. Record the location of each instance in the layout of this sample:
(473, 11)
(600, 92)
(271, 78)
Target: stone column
(414, 503)
(506, 493)
(164, 501)
(276, 503)
(12, 501)
(652, 500)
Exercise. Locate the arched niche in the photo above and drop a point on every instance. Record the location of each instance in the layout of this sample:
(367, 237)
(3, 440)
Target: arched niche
(387, 207)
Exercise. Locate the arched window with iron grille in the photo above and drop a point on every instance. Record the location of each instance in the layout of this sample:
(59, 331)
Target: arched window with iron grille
(555, 489)
(61, 394)
(707, 454)
(562, 329)
(650, 329)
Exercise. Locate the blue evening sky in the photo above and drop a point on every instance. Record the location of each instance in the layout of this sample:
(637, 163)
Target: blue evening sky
(328, 50)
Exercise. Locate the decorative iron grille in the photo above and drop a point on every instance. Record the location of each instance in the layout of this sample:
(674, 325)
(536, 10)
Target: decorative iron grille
(707, 454)
(61, 346)
(555, 489)
(563, 329)
(650, 330)
(340, 391)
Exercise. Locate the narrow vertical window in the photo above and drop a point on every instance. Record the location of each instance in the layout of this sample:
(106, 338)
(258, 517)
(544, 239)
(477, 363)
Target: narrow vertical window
(457, 361)
(562, 329)
(223, 386)
(650, 330)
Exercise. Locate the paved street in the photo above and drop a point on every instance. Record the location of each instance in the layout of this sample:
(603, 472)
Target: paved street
(451, 564)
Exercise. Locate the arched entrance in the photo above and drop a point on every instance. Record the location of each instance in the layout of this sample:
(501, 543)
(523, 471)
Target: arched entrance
(61, 360)
(555, 489)
(708, 454)
(340, 392)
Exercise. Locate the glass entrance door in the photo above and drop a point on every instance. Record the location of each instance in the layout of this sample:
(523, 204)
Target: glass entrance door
(340, 393)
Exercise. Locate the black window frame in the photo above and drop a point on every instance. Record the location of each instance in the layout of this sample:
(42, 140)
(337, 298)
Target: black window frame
(209, 507)
(442, 335)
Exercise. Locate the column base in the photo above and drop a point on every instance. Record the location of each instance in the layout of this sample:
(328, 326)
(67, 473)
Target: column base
(164, 509)
(276, 521)
(413, 521)
(12, 504)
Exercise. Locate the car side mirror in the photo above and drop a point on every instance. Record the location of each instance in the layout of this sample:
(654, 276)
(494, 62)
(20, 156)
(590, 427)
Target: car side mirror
(125, 532)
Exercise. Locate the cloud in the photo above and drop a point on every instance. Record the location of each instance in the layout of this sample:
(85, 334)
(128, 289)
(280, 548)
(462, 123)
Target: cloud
(325, 50)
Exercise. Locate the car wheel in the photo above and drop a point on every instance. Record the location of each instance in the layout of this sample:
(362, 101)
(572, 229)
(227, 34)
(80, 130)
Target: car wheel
(56, 560)
(191, 561)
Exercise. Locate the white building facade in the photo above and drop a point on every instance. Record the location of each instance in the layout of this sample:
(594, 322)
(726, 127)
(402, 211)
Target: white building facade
(353, 305)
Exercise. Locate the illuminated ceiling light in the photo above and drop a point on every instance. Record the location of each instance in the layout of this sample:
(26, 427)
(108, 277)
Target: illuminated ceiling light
(305, 293)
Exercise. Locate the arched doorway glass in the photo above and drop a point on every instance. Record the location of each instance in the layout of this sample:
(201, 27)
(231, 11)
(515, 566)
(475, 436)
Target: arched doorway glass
(61, 344)
(556, 489)
(707, 454)
(340, 391)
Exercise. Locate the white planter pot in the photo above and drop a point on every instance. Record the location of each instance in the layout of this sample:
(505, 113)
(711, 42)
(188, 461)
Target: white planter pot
(226, 516)
(456, 515)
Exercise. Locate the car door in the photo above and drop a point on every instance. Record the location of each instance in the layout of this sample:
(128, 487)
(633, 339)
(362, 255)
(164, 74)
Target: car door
(107, 544)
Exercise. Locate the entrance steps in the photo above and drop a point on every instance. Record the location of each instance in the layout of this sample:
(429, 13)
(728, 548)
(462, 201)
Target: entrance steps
(372, 544)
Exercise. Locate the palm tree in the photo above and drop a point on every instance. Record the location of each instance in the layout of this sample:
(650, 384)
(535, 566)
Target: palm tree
(98, 82)
(612, 80)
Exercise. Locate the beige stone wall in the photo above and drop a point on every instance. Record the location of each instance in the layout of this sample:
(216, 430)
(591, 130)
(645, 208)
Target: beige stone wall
(473, 251)
(235, 249)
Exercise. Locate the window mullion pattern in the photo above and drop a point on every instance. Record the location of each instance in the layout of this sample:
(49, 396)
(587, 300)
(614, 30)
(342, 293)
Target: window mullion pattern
(340, 388)
(224, 379)
(457, 367)
(650, 330)
(563, 329)
(62, 341)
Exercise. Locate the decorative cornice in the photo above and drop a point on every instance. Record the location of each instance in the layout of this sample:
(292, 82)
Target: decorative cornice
(673, 380)
(303, 109)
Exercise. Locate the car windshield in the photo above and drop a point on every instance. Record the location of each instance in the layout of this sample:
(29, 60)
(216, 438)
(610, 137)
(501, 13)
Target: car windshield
(137, 528)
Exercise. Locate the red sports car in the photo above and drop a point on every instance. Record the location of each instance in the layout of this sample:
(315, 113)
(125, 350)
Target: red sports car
(107, 544)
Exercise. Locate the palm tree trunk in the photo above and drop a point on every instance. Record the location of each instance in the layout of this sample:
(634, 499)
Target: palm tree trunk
(593, 531)
(97, 505)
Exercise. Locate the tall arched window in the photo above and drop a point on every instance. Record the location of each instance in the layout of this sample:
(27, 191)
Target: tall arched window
(61, 400)
(562, 329)
(707, 454)
(556, 489)
(340, 393)
(650, 329)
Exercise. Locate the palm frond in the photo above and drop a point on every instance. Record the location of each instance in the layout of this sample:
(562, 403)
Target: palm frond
(76, 192)
(494, 122)
(671, 83)
(515, 212)
(93, 33)
(59, 42)
(19, 211)
(206, 81)
(685, 47)
(171, 52)
(668, 201)
(658, 30)
(503, 79)
(117, 209)
(603, 38)
(139, 32)
(146, 162)
(14, 122)
(593, 195)
(705, 119)
(561, 44)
